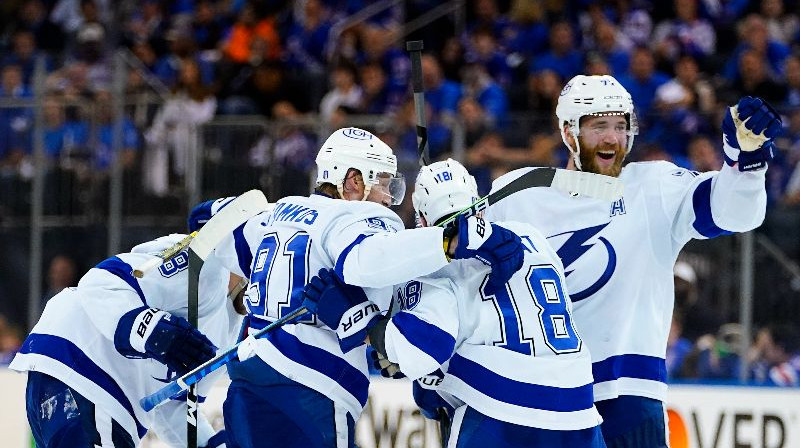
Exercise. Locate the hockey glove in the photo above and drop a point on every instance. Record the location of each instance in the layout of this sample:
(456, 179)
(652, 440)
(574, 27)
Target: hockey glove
(203, 211)
(429, 401)
(218, 440)
(342, 307)
(747, 132)
(169, 339)
(387, 368)
(494, 245)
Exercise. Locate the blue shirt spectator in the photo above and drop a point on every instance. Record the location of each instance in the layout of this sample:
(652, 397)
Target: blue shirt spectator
(441, 94)
(307, 39)
(755, 36)
(562, 57)
(642, 81)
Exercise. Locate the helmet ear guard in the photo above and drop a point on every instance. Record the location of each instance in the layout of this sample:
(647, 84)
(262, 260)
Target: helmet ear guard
(597, 96)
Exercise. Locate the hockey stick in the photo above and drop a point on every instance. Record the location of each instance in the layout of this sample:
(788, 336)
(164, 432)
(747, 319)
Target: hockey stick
(198, 373)
(204, 240)
(415, 48)
(589, 184)
(597, 186)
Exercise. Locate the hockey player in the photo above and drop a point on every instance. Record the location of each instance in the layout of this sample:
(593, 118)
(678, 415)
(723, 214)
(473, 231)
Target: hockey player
(308, 384)
(113, 339)
(506, 356)
(619, 256)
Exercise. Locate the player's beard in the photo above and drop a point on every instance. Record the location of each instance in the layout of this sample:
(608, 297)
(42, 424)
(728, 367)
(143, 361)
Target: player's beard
(588, 157)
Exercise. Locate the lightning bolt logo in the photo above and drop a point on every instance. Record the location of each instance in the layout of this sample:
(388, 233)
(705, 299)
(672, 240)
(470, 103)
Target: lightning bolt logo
(576, 246)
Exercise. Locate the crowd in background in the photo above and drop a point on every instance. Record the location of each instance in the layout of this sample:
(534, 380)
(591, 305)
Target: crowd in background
(495, 78)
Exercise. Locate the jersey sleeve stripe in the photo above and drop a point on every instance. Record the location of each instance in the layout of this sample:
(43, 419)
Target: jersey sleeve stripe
(533, 396)
(124, 271)
(69, 354)
(704, 221)
(630, 366)
(339, 266)
(324, 362)
(427, 337)
(243, 252)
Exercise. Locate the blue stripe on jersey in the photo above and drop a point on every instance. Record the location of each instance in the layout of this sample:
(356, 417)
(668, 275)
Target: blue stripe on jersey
(427, 337)
(124, 271)
(324, 362)
(339, 266)
(69, 354)
(518, 393)
(704, 221)
(630, 366)
(243, 252)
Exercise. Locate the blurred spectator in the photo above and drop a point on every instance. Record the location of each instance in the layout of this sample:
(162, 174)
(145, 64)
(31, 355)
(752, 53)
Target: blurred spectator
(307, 38)
(182, 49)
(147, 24)
(90, 51)
(71, 14)
(678, 347)
(687, 33)
(642, 80)
(596, 65)
(484, 50)
(698, 318)
(379, 45)
(718, 357)
(542, 96)
(682, 105)
(345, 92)
(527, 35)
(775, 356)
(634, 21)
(487, 15)
(703, 155)
(101, 141)
(475, 120)
(308, 47)
(174, 130)
(208, 28)
(375, 100)
(62, 139)
(16, 122)
(62, 273)
(792, 71)
(441, 94)
(289, 153)
(480, 86)
(24, 54)
(781, 26)
(252, 39)
(753, 80)
(754, 37)
(612, 46)
(452, 59)
(33, 17)
(563, 57)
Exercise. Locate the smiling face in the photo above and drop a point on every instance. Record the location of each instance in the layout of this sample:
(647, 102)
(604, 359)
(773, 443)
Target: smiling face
(603, 142)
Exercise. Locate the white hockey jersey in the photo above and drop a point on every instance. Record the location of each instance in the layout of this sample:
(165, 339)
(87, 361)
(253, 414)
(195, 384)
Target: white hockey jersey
(280, 251)
(512, 354)
(619, 257)
(74, 339)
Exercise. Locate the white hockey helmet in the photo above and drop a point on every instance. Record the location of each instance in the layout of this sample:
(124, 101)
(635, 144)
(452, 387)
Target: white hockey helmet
(356, 148)
(597, 95)
(441, 189)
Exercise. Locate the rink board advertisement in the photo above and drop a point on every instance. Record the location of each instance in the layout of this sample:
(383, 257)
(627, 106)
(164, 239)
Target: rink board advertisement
(700, 416)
